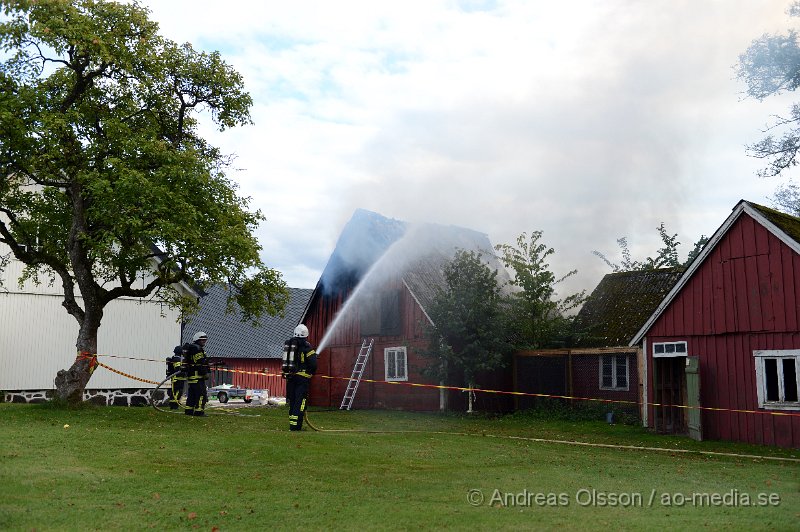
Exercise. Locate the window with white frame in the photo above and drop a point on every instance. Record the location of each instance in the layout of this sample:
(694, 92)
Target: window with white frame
(396, 363)
(777, 379)
(614, 372)
(669, 349)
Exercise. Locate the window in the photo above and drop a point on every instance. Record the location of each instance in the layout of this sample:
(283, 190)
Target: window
(669, 349)
(380, 314)
(396, 363)
(614, 372)
(35, 245)
(776, 377)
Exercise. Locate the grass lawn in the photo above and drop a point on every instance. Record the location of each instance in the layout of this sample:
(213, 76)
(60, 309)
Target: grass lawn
(115, 468)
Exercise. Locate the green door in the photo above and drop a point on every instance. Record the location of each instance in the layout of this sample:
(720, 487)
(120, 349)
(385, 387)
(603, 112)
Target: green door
(693, 398)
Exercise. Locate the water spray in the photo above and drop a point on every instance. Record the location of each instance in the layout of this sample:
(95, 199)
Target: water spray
(372, 276)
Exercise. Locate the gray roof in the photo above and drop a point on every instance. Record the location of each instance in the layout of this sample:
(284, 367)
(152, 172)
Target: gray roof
(419, 258)
(425, 276)
(230, 337)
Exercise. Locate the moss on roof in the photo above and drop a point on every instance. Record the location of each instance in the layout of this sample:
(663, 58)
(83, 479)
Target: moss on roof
(785, 222)
(620, 305)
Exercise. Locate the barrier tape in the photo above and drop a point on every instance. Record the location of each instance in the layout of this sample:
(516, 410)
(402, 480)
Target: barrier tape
(480, 390)
(528, 394)
(127, 374)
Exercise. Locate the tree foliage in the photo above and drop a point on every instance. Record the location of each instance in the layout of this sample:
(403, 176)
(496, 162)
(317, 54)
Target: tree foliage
(771, 66)
(469, 331)
(540, 318)
(787, 198)
(666, 256)
(103, 173)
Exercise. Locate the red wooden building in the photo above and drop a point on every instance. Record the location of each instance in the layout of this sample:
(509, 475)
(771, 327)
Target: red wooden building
(376, 286)
(727, 336)
(598, 364)
(253, 355)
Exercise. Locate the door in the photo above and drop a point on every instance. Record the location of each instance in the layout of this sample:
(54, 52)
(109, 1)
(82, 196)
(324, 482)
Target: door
(669, 378)
(693, 412)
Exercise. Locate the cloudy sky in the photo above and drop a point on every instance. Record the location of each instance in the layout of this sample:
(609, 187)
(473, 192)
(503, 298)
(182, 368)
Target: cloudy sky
(588, 120)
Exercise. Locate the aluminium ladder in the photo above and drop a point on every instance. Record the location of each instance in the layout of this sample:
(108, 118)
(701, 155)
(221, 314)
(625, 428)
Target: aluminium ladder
(355, 378)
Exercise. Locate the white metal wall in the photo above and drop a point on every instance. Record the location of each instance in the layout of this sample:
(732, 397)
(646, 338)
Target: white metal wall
(37, 337)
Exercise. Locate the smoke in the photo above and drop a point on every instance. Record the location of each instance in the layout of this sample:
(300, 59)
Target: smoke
(364, 239)
(375, 253)
(587, 120)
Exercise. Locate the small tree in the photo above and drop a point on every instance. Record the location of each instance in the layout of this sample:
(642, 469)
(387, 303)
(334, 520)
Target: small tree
(666, 256)
(104, 180)
(469, 332)
(539, 317)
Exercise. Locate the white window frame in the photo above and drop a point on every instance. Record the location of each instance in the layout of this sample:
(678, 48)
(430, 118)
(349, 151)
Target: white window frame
(678, 349)
(761, 383)
(390, 353)
(614, 380)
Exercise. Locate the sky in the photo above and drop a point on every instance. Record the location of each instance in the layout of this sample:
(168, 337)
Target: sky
(586, 120)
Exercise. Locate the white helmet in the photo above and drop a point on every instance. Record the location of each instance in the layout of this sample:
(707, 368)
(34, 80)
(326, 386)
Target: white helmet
(199, 335)
(301, 331)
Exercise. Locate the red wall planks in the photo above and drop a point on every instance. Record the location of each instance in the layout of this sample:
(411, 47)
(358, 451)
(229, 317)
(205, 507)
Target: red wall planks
(342, 347)
(744, 298)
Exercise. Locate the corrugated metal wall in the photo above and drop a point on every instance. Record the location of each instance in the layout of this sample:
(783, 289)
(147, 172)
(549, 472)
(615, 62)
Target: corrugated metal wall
(37, 337)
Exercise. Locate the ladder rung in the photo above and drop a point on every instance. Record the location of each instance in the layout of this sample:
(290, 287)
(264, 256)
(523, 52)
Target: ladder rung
(355, 377)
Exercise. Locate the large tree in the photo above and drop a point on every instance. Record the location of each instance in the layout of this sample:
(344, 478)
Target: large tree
(771, 66)
(541, 318)
(104, 179)
(469, 332)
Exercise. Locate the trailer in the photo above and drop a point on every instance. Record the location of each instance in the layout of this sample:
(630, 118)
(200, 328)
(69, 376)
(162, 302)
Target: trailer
(225, 392)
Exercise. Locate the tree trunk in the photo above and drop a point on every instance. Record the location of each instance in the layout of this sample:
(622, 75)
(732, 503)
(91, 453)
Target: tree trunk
(70, 383)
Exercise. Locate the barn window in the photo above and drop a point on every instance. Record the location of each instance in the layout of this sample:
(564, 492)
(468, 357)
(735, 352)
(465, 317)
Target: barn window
(396, 363)
(669, 349)
(614, 372)
(777, 378)
(380, 314)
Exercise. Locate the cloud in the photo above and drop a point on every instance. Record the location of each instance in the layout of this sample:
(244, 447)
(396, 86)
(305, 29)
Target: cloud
(589, 121)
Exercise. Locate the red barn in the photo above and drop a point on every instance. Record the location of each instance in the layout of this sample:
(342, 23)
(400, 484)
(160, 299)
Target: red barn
(252, 355)
(727, 336)
(376, 285)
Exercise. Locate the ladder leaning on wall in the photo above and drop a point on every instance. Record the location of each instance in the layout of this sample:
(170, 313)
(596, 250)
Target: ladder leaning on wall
(355, 378)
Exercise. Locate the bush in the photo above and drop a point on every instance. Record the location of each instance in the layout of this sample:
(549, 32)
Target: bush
(558, 409)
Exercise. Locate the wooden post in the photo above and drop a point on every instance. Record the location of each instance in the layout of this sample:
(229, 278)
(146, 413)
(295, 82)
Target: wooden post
(569, 371)
(515, 382)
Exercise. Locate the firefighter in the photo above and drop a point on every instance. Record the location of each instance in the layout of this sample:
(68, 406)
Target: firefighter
(197, 371)
(299, 364)
(177, 374)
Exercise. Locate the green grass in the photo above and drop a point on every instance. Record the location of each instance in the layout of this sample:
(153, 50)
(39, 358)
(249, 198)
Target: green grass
(117, 468)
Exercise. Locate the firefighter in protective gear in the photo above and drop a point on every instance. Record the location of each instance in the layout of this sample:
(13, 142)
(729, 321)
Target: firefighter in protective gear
(197, 371)
(299, 364)
(175, 371)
